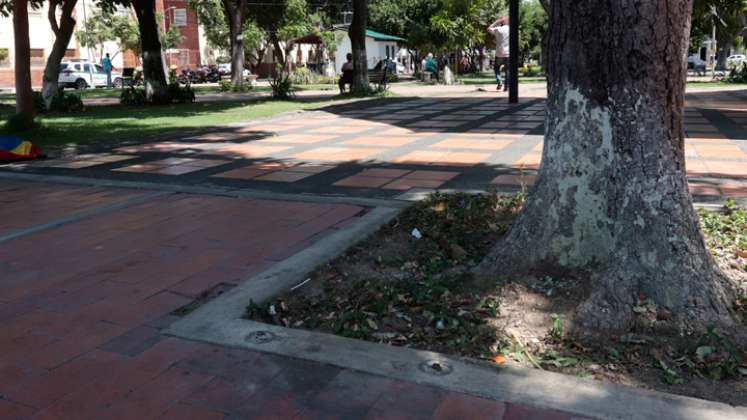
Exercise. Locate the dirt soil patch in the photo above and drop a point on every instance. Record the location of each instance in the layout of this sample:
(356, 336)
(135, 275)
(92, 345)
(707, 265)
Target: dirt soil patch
(411, 284)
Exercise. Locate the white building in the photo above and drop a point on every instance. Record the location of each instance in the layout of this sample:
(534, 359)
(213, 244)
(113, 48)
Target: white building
(378, 47)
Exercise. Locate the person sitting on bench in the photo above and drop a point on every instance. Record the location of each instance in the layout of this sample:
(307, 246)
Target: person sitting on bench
(347, 74)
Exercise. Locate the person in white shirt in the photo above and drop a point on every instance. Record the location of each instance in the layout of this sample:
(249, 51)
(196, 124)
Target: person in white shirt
(499, 28)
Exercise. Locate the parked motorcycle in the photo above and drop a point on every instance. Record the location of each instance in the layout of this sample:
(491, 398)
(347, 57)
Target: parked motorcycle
(212, 74)
(188, 77)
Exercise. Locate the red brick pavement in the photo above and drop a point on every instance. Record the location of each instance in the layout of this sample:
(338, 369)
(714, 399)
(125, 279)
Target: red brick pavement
(83, 304)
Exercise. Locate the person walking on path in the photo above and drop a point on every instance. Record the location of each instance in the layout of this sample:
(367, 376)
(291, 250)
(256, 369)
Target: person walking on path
(347, 74)
(499, 28)
(106, 63)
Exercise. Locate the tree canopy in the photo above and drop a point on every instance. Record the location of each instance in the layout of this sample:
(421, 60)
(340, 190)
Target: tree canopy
(104, 26)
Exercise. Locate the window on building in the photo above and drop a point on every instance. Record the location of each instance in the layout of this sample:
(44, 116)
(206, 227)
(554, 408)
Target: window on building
(4, 57)
(71, 53)
(184, 58)
(180, 17)
(37, 57)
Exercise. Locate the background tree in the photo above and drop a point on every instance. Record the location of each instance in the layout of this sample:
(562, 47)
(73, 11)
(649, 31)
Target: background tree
(154, 66)
(357, 34)
(282, 22)
(103, 26)
(63, 31)
(611, 206)
(217, 31)
(24, 103)
(532, 30)
(728, 16)
(236, 11)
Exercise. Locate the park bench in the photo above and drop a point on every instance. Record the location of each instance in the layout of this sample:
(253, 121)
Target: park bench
(378, 77)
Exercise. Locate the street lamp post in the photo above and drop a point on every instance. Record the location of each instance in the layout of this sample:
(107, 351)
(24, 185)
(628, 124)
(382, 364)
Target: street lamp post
(513, 45)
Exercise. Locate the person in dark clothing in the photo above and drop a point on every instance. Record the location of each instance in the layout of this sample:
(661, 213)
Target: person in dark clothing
(347, 74)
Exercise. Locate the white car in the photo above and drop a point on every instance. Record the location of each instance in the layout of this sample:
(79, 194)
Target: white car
(83, 74)
(736, 59)
(225, 69)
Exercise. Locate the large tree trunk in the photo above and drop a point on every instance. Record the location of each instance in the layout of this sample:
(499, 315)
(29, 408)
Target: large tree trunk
(154, 69)
(236, 11)
(63, 32)
(357, 33)
(611, 206)
(24, 101)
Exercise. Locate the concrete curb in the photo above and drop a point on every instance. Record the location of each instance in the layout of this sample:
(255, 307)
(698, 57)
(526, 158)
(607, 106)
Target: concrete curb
(531, 387)
(282, 275)
(220, 322)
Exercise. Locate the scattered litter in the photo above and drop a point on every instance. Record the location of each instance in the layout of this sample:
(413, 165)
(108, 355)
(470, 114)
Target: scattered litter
(500, 359)
(416, 233)
(440, 324)
(300, 284)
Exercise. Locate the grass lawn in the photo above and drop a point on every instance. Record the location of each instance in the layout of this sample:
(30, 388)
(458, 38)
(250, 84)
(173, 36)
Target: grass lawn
(10, 98)
(713, 84)
(108, 123)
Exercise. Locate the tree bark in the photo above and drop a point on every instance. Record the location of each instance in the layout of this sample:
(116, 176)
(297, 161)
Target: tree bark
(236, 11)
(278, 51)
(611, 206)
(63, 32)
(357, 33)
(154, 68)
(24, 101)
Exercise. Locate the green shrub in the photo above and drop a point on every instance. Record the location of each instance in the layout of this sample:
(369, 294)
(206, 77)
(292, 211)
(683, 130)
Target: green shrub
(17, 123)
(737, 74)
(180, 94)
(38, 100)
(531, 70)
(281, 84)
(133, 96)
(175, 93)
(327, 80)
(66, 102)
(62, 102)
(304, 76)
(228, 86)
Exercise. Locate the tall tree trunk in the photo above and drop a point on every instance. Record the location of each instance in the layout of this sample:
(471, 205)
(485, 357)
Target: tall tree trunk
(63, 31)
(357, 33)
(24, 101)
(278, 51)
(236, 11)
(154, 69)
(611, 206)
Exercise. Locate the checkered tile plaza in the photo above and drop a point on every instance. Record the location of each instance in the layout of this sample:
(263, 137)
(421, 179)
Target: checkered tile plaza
(383, 148)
